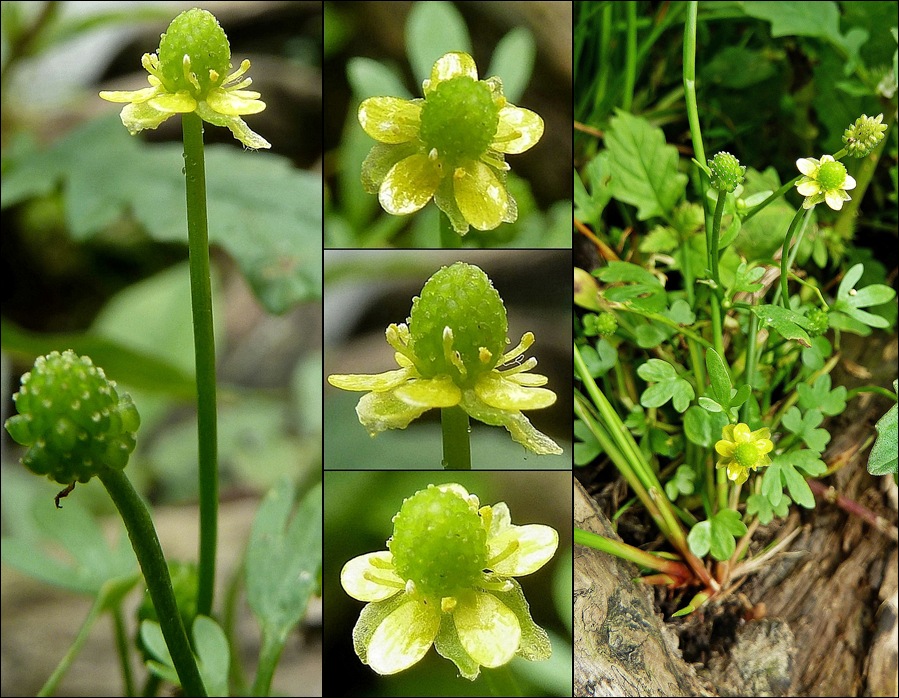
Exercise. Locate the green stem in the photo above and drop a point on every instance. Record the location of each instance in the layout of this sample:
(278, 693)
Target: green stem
(773, 197)
(502, 681)
(456, 439)
(122, 647)
(449, 238)
(49, 688)
(876, 389)
(204, 352)
(717, 327)
(751, 359)
(269, 655)
(620, 549)
(630, 72)
(156, 574)
(785, 258)
(689, 71)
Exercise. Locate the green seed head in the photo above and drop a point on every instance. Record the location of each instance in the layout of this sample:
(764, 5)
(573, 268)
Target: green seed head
(462, 298)
(818, 322)
(606, 324)
(864, 135)
(195, 33)
(72, 419)
(746, 454)
(727, 173)
(831, 175)
(459, 119)
(438, 542)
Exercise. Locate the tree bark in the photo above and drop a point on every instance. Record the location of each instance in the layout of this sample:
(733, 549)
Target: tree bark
(621, 645)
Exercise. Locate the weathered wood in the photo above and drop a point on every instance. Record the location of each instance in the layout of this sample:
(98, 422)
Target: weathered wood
(621, 645)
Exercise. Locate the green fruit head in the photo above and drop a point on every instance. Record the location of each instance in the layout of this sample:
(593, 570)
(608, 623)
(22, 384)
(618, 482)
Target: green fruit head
(72, 419)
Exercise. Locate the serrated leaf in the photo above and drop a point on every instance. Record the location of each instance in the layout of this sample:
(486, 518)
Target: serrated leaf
(718, 377)
(283, 558)
(264, 212)
(820, 396)
(820, 19)
(804, 426)
(789, 324)
(702, 427)
(643, 166)
(884, 455)
(668, 386)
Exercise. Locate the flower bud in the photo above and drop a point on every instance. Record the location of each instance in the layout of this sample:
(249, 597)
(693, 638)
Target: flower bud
(727, 173)
(864, 135)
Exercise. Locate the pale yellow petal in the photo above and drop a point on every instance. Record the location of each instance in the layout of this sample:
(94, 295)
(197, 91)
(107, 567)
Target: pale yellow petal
(836, 198)
(371, 582)
(725, 448)
(481, 196)
(850, 182)
(235, 124)
(807, 166)
(809, 188)
(742, 434)
(531, 546)
(505, 394)
(135, 96)
(174, 102)
(409, 185)
(448, 66)
(518, 130)
(139, 116)
(403, 637)
(390, 119)
(518, 426)
(430, 392)
(487, 628)
(233, 103)
(374, 381)
(381, 411)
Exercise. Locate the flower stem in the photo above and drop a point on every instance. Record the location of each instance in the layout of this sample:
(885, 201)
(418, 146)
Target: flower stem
(689, 71)
(456, 441)
(676, 569)
(630, 74)
(50, 686)
(449, 238)
(785, 259)
(122, 646)
(204, 351)
(156, 574)
(717, 328)
(269, 655)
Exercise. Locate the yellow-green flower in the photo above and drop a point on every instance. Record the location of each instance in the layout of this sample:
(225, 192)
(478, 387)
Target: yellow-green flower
(446, 580)
(452, 353)
(741, 450)
(192, 73)
(449, 146)
(825, 180)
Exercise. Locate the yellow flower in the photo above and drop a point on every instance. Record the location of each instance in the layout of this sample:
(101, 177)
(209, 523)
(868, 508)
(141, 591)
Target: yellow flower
(741, 450)
(449, 146)
(825, 180)
(446, 580)
(192, 73)
(451, 354)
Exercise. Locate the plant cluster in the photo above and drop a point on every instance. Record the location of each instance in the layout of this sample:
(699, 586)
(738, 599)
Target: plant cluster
(704, 348)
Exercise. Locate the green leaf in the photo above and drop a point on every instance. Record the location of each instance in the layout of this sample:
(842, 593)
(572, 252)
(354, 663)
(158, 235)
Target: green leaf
(600, 359)
(820, 396)
(643, 167)
(805, 425)
(649, 336)
(718, 377)
(759, 505)
(850, 301)
(668, 386)
(122, 363)
(592, 194)
(883, 458)
(433, 29)
(681, 483)
(681, 313)
(513, 62)
(700, 538)
(264, 212)
(587, 448)
(210, 646)
(789, 324)
(821, 19)
(702, 427)
(660, 239)
(283, 558)
(783, 471)
(737, 67)
(88, 561)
